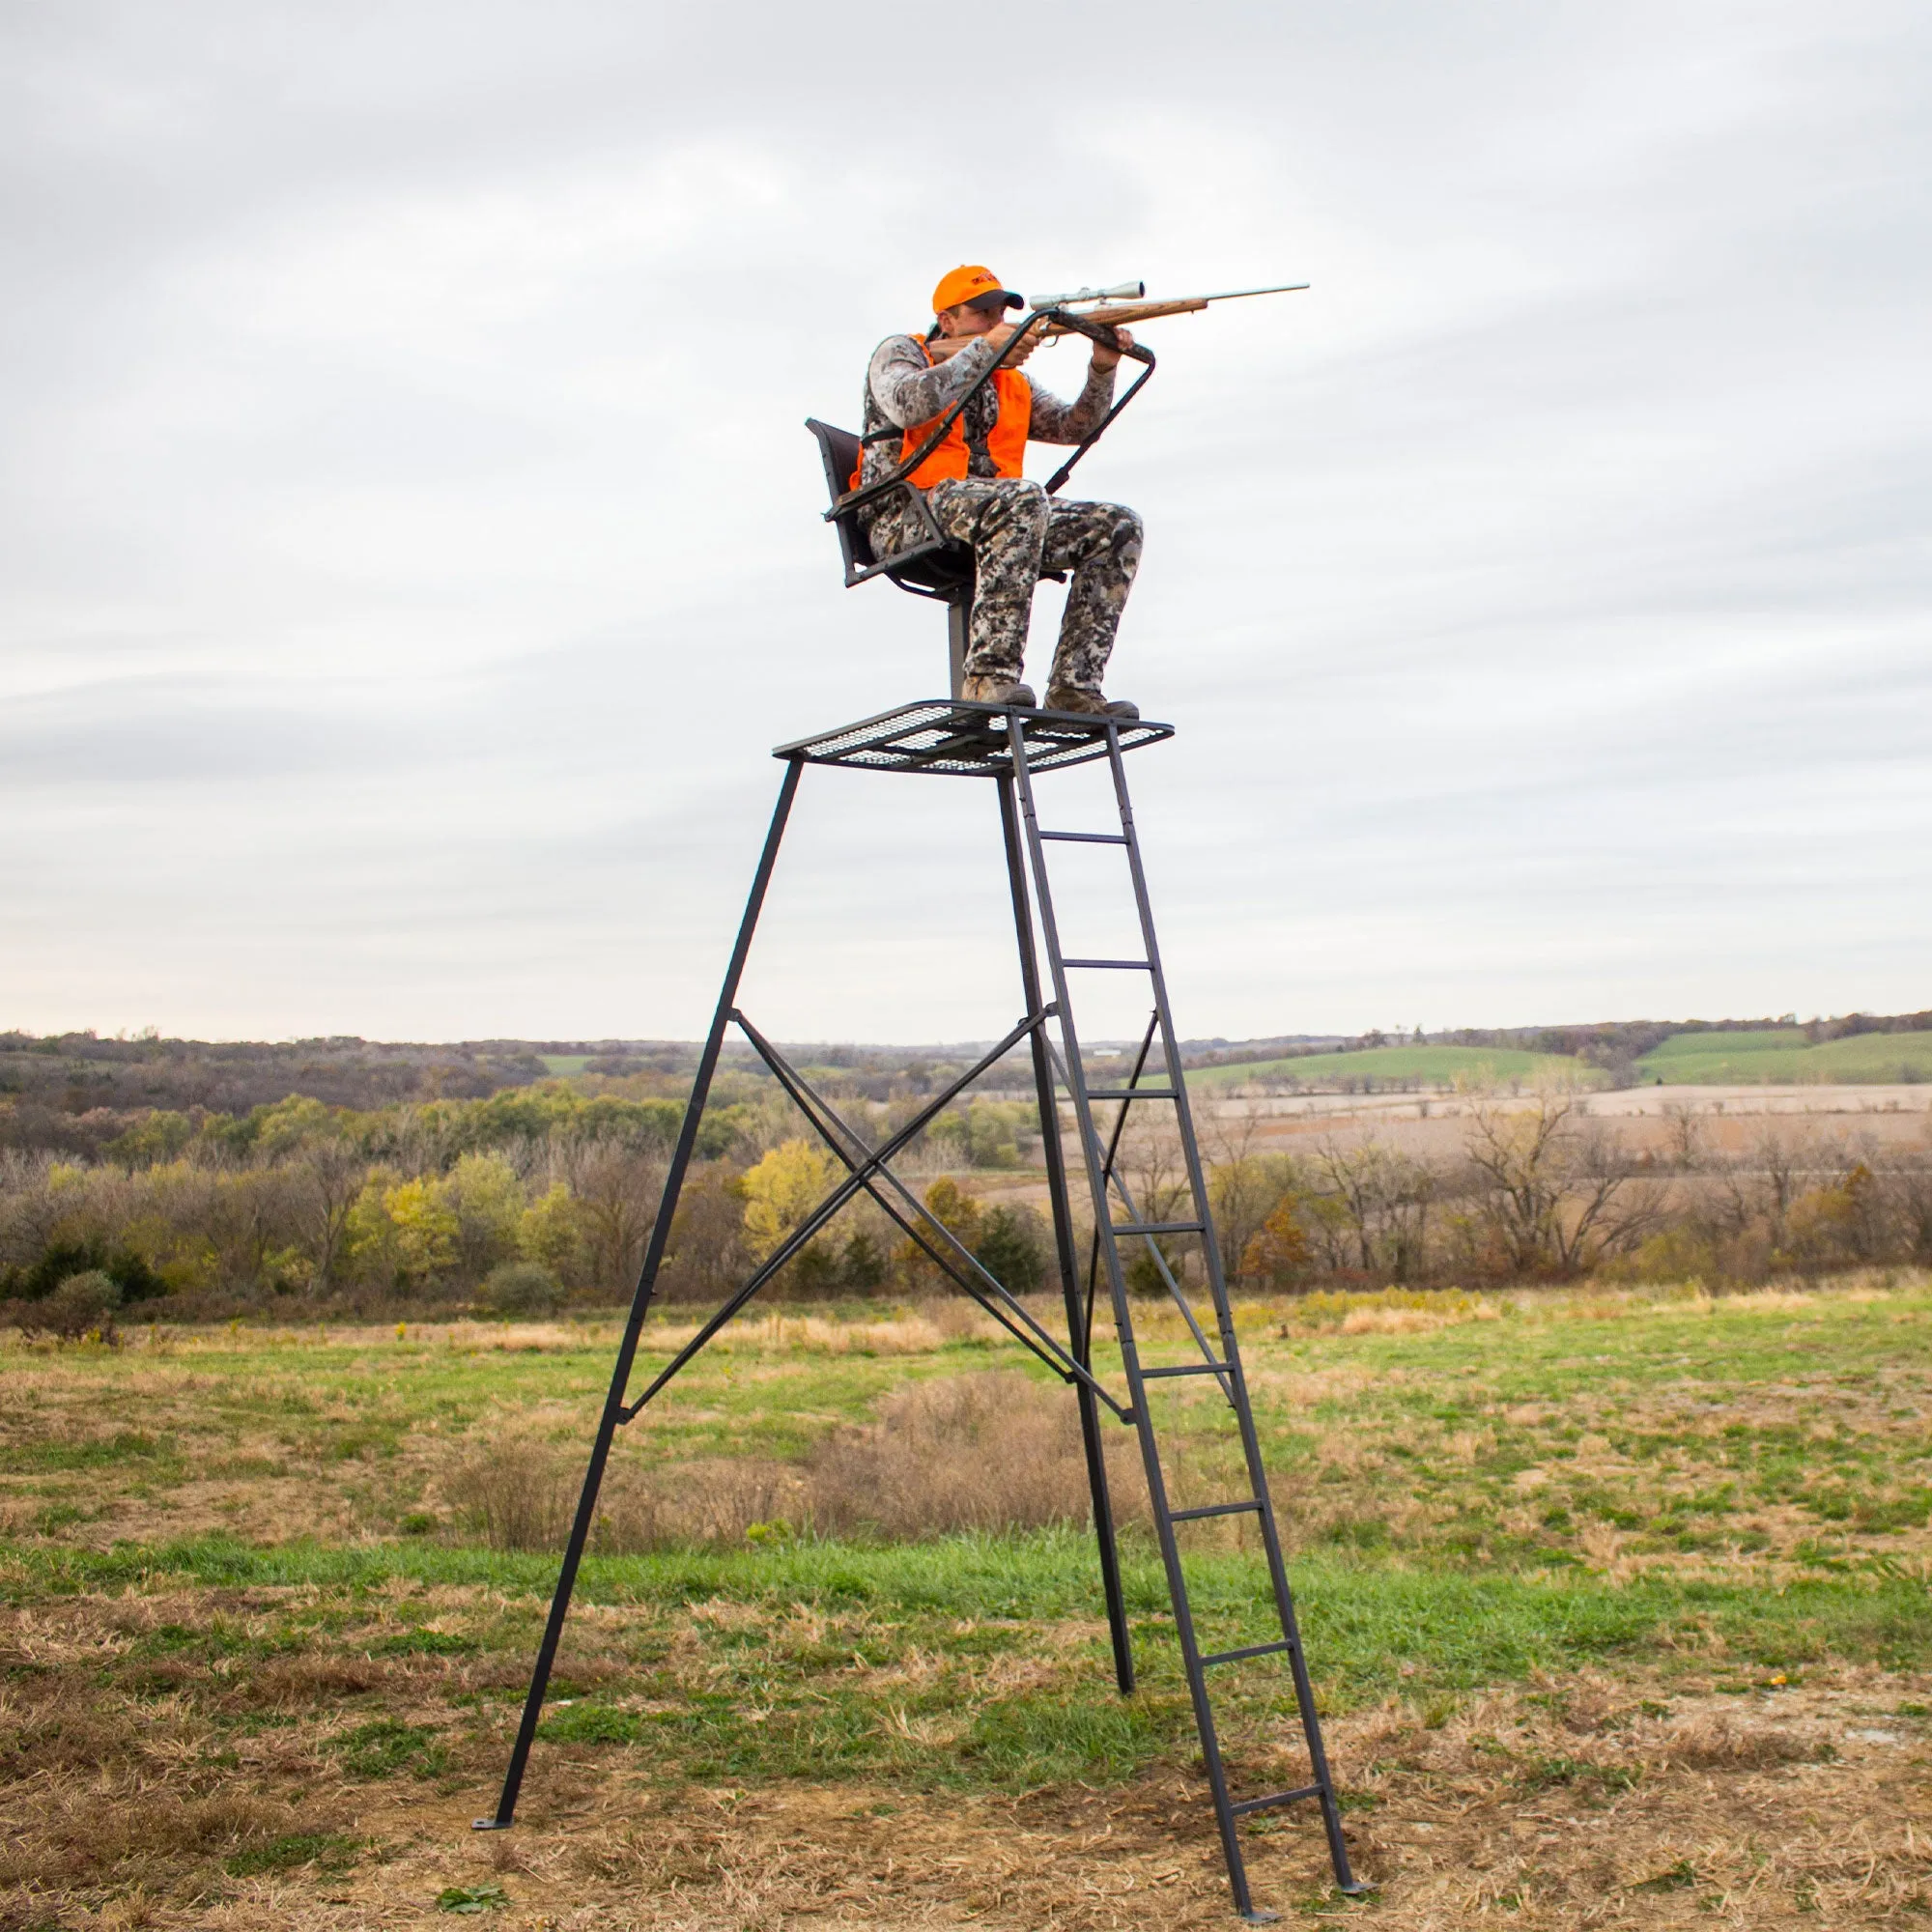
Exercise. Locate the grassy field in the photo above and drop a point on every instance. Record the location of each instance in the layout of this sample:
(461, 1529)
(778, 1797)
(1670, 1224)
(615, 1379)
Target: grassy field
(1427, 1065)
(1781, 1056)
(1618, 1603)
(1777, 1055)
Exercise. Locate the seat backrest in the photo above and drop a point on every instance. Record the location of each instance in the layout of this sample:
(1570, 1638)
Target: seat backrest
(841, 450)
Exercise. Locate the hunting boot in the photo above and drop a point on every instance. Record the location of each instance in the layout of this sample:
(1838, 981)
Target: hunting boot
(998, 691)
(1089, 703)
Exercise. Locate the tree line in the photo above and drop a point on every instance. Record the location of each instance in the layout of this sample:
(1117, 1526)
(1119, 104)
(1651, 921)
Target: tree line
(534, 1195)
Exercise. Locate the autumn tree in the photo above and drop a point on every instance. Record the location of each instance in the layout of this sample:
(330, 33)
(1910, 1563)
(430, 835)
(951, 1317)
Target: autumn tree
(1275, 1257)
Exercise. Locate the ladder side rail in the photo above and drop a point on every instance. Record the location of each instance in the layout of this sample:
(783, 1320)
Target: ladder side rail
(1197, 1179)
(614, 1415)
(1170, 1548)
(1079, 1322)
(1183, 1112)
(1112, 1152)
(1311, 1722)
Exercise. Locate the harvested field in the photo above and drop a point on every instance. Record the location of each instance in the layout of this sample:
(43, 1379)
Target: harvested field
(1618, 1601)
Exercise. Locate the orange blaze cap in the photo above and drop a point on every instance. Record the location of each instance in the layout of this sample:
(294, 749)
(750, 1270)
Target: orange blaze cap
(968, 283)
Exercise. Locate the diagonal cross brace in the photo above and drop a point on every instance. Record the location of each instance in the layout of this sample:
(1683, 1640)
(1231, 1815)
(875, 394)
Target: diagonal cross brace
(830, 1205)
(1010, 1313)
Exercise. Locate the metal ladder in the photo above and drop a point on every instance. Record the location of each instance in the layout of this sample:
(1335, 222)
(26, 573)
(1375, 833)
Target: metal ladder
(1116, 1219)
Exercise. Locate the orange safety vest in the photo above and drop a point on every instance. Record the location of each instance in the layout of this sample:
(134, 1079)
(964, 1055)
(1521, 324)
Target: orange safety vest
(1006, 441)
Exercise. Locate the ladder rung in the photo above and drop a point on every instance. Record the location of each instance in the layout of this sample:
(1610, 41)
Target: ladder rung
(1160, 1227)
(1275, 1798)
(1249, 1650)
(1086, 837)
(1112, 965)
(1212, 1509)
(1191, 1369)
(1132, 1094)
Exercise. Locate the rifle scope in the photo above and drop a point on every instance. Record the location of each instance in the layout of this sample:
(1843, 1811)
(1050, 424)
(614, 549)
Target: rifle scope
(1120, 292)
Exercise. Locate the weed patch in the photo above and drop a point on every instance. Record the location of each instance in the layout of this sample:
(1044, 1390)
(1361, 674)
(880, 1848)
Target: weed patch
(387, 1747)
(326, 1851)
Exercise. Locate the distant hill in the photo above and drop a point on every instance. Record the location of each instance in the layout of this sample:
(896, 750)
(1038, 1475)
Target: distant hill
(76, 1091)
(1424, 1066)
(1854, 1048)
(1786, 1056)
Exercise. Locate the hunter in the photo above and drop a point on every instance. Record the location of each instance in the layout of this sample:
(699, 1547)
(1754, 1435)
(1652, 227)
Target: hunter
(973, 485)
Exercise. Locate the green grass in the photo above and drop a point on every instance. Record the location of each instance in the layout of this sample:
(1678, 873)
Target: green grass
(1695, 1432)
(1781, 1056)
(863, 1660)
(1425, 1065)
(561, 1066)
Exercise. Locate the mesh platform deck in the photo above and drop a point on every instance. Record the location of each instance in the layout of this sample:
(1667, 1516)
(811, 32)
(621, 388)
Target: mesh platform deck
(956, 739)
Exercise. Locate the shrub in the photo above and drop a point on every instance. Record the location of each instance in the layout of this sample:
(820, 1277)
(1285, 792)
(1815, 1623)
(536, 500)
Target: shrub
(864, 1265)
(83, 1304)
(1013, 1248)
(521, 1290)
(720, 1502)
(981, 1451)
(955, 1211)
(1276, 1256)
(61, 1260)
(783, 1189)
(515, 1493)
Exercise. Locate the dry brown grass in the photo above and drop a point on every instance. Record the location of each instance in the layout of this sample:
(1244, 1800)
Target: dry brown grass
(514, 1491)
(906, 1332)
(1578, 1802)
(993, 1451)
(148, 1778)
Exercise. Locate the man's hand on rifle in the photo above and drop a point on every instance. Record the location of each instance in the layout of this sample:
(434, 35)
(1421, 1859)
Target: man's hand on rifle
(1002, 332)
(1105, 359)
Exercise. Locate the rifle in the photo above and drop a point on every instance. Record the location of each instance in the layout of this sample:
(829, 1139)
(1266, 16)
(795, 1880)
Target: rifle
(1090, 312)
(1099, 308)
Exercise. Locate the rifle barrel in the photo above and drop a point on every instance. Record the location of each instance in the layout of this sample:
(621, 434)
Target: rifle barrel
(1279, 289)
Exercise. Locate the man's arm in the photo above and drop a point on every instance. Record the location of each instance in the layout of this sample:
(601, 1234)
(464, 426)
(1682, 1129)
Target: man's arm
(908, 393)
(1055, 421)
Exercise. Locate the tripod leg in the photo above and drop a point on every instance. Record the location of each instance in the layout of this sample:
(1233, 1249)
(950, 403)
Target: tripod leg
(641, 1302)
(1079, 1328)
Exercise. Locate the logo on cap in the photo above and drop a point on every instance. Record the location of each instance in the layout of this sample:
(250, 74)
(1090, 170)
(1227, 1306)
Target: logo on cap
(963, 283)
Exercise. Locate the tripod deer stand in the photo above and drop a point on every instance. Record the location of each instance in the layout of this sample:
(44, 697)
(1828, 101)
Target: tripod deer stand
(1012, 748)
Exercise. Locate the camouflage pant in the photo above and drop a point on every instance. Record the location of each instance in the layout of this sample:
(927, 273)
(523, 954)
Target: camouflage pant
(1019, 533)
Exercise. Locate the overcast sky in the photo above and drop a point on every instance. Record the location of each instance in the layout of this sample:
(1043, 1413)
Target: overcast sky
(412, 551)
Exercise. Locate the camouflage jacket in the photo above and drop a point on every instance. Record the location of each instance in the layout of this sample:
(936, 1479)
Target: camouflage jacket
(903, 389)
